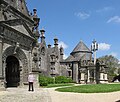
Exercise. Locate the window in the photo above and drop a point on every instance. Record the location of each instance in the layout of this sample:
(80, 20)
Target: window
(43, 51)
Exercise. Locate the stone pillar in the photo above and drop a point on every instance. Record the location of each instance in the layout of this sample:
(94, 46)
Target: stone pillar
(82, 77)
(106, 79)
(21, 76)
(101, 77)
(75, 72)
(1, 64)
(94, 76)
(88, 76)
(2, 81)
(36, 69)
(30, 61)
(97, 72)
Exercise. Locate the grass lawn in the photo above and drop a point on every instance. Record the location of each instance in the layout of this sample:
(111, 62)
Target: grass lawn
(96, 88)
(58, 85)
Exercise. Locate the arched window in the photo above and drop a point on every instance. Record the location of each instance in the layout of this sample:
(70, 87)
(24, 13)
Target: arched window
(43, 51)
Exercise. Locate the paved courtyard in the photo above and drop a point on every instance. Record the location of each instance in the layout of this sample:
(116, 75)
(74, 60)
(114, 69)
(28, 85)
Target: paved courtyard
(49, 95)
(23, 95)
(83, 97)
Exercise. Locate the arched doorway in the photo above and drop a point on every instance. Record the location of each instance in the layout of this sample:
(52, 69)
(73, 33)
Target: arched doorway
(12, 72)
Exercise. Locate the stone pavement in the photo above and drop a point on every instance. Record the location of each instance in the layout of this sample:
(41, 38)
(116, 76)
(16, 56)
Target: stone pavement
(83, 97)
(23, 95)
(50, 95)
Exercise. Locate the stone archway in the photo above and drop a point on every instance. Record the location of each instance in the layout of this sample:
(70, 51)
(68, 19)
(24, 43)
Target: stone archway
(12, 72)
(21, 61)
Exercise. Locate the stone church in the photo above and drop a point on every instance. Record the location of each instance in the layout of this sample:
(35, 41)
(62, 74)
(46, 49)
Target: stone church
(20, 52)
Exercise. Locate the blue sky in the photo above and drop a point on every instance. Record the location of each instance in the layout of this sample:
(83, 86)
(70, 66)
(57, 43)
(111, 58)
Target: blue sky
(74, 20)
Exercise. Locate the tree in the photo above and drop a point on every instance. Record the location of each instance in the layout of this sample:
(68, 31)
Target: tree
(112, 64)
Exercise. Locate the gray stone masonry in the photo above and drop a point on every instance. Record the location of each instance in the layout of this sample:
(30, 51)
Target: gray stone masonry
(1, 46)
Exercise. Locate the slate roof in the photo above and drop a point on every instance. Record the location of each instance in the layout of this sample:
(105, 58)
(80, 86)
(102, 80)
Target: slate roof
(81, 51)
(81, 47)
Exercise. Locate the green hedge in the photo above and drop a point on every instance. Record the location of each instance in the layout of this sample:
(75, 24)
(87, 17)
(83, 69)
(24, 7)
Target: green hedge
(50, 80)
(62, 79)
(44, 81)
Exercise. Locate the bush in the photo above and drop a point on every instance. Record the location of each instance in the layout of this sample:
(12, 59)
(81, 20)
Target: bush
(50, 80)
(44, 81)
(62, 79)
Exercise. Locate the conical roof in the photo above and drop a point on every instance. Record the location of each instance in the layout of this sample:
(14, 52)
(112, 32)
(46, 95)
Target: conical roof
(81, 47)
(79, 52)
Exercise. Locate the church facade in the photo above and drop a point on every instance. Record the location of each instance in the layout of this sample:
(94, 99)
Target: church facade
(20, 52)
(18, 34)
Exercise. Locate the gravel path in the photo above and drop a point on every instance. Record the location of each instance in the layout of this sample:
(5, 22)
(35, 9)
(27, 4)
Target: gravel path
(23, 95)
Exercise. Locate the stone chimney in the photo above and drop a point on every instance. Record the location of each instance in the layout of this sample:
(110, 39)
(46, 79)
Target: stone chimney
(49, 46)
(42, 35)
(61, 53)
(36, 24)
(35, 12)
(56, 42)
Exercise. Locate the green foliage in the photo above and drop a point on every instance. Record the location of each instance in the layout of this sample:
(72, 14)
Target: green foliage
(110, 61)
(96, 88)
(50, 80)
(45, 81)
(62, 79)
(113, 65)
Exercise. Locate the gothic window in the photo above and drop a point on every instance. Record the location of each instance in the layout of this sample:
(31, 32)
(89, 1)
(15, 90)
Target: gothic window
(57, 57)
(39, 61)
(69, 73)
(43, 51)
(52, 58)
(52, 68)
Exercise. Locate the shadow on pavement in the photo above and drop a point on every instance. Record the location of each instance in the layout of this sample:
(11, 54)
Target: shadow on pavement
(117, 101)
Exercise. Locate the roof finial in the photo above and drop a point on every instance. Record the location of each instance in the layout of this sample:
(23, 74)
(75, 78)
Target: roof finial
(35, 12)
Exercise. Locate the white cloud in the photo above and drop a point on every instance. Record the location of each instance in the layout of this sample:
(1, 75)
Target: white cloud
(104, 46)
(82, 15)
(65, 56)
(114, 19)
(119, 61)
(105, 9)
(61, 43)
(113, 54)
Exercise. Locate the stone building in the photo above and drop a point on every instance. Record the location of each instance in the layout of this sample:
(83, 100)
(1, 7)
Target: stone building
(79, 65)
(20, 52)
(18, 35)
(82, 66)
(49, 57)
